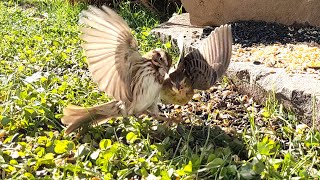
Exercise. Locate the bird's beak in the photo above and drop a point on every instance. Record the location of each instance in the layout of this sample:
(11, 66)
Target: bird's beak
(175, 90)
(183, 93)
(167, 69)
(164, 71)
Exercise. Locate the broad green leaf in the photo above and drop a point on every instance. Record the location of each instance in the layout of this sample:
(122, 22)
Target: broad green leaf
(28, 175)
(144, 172)
(168, 45)
(165, 175)
(232, 169)
(105, 143)
(42, 140)
(4, 120)
(62, 146)
(247, 172)
(188, 167)
(215, 163)
(49, 156)
(108, 155)
(40, 151)
(10, 168)
(131, 137)
(108, 176)
(13, 162)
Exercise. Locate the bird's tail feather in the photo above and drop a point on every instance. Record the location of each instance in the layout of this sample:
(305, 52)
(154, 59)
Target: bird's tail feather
(75, 116)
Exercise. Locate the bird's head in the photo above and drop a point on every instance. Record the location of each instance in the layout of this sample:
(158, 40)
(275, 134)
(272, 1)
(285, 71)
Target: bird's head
(177, 89)
(161, 59)
(180, 84)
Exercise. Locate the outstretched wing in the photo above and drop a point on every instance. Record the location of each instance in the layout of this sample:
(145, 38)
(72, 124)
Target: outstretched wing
(110, 49)
(209, 62)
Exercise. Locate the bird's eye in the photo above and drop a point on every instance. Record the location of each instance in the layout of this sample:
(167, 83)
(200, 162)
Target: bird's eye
(161, 59)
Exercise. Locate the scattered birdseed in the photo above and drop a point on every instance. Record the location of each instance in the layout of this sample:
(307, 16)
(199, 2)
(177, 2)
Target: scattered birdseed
(294, 58)
(295, 48)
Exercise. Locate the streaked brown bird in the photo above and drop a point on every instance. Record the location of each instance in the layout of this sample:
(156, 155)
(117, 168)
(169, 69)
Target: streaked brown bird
(200, 68)
(119, 69)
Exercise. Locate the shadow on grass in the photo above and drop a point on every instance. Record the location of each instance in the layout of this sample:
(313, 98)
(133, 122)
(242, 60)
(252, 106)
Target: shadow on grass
(179, 144)
(199, 137)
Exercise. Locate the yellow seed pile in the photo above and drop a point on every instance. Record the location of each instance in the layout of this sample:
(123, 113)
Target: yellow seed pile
(295, 58)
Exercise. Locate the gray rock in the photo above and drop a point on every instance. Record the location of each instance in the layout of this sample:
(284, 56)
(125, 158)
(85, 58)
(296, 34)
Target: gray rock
(299, 92)
(217, 12)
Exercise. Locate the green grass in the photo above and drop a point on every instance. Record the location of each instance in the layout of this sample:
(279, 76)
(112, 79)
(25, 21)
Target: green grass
(42, 69)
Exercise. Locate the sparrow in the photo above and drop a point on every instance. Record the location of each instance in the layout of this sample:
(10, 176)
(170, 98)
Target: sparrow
(198, 69)
(133, 80)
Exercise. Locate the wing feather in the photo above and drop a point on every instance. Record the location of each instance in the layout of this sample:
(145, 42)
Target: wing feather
(94, 39)
(101, 59)
(110, 47)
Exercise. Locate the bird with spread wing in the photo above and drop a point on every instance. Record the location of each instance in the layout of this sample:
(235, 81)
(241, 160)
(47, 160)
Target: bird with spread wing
(200, 68)
(133, 80)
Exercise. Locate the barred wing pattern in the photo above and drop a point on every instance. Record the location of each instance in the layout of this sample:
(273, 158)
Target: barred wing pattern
(111, 50)
(210, 61)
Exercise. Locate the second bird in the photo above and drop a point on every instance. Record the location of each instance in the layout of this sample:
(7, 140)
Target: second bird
(200, 68)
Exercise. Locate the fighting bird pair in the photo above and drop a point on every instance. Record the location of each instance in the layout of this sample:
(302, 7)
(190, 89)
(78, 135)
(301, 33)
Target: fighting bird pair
(138, 83)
